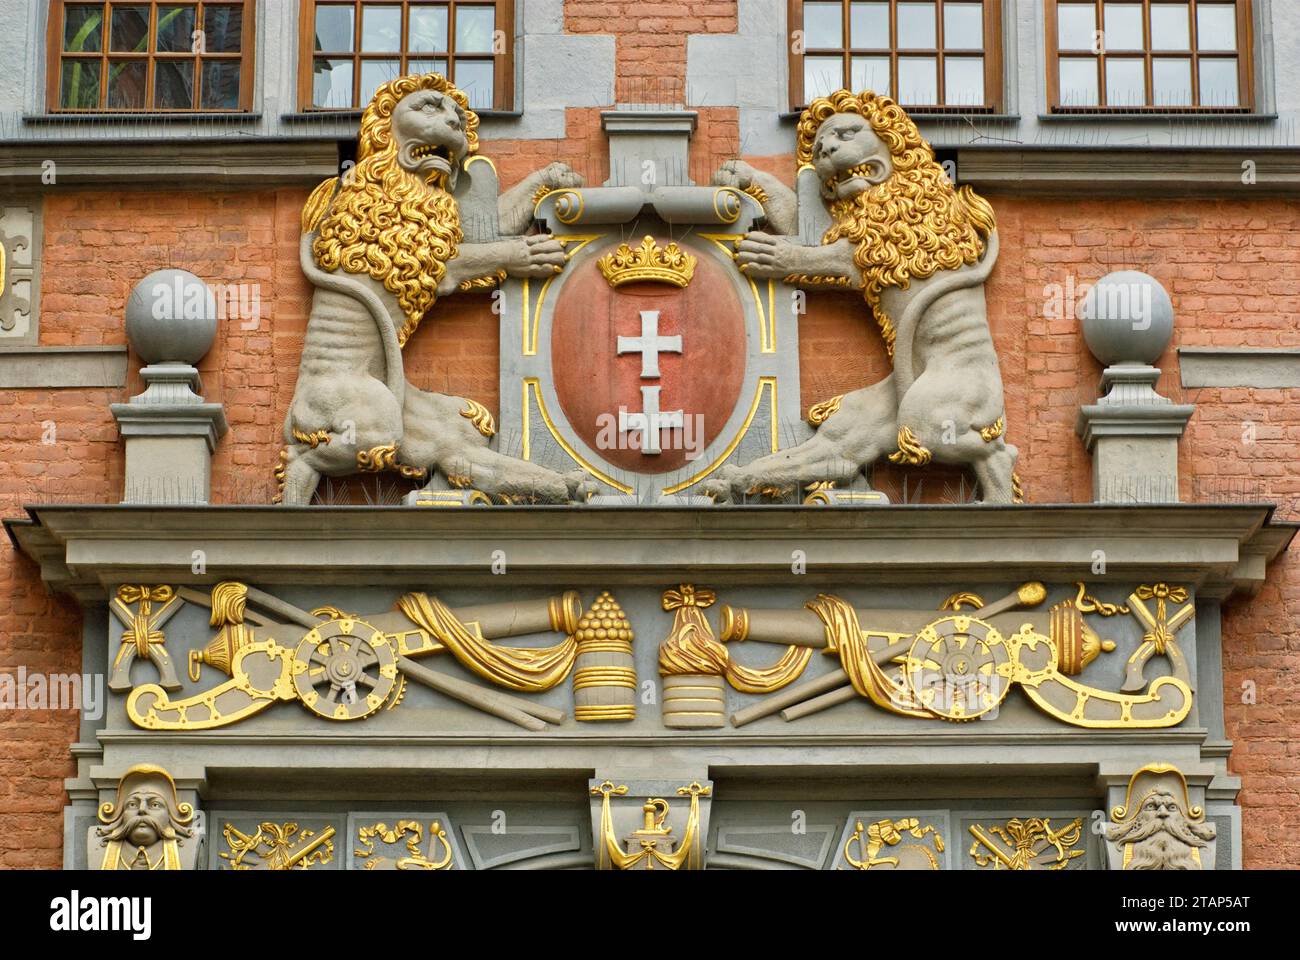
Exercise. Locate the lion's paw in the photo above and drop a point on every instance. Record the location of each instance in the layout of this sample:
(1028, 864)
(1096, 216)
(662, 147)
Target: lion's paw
(734, 173)
(560, 176)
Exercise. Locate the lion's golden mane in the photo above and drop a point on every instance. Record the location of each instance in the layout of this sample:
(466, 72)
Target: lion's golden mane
(384, 221)
(910, 226)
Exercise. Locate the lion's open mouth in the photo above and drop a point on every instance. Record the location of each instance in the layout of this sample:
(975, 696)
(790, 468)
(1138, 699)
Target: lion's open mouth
(436, 157)
(861, 171)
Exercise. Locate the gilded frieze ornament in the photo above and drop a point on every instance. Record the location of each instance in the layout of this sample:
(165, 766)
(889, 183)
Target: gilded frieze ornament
(277, 846)
(348, 667)
(146, 826)
(652, 845)
(697, 668)
(648, 262)
(961, 667)
(891, 838)
(143, 611)
(1031, 843)
(410, 834)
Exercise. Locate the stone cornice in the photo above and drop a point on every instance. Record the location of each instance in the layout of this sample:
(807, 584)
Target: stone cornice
(1108, 170)
(1218, 549)
(182, 164)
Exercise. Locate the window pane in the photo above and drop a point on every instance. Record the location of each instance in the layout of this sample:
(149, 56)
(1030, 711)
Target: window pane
(916, 28)
(128, 31)
(823, 26)
(220, 89)
(222, 28)
(475, 78)
(963, 81)
(331, 83)
(1126, 82)
(1216, 26)
(1079, 82)
(83, 28)
(173, 84)
(427, 66)
(869, 26)
(1171, 26)
(871, 73)
(126, 84)
(175, 30)
(428, 29)
(963, 26)
(822, 76)
(80, 85)
(474, 28)
(1123, 27)
(918, 80)
(1219, 82)
(334, 30)
(1171, 81)
(1076, 26)
(381, 29)
(375, 72)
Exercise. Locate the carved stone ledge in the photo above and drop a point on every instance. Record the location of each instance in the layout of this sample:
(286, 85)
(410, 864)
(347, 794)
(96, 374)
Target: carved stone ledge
(1217, 549)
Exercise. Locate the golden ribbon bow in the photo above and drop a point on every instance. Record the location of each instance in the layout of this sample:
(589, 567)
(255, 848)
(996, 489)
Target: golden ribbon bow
(688, 595)
(1160, 635)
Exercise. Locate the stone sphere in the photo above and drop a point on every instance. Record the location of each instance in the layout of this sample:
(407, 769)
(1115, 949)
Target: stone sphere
(1127, 318)
(171, 316)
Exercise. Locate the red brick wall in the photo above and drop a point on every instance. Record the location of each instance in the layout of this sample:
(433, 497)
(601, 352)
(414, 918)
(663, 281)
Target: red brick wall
(1219, 260)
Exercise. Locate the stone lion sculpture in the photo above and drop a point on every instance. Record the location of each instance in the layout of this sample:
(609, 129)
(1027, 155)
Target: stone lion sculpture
(920, 251)
(380, 246)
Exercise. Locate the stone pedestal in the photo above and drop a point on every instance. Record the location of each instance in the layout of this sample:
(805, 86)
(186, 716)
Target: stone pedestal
(1132, 433)
(641, 138)
(170, 434)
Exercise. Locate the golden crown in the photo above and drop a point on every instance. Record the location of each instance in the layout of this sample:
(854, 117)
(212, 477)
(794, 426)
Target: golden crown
(670, 264)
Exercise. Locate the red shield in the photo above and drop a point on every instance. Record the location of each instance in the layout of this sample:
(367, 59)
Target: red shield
(595, 382)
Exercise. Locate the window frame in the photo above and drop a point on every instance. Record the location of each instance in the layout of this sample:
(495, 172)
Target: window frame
(503, 74)
(994, 70)
(55, 55)
(1245, 54)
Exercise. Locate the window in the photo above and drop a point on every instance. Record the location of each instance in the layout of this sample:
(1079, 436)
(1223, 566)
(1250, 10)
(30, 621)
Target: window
(1149, 55)
(353, 46)
(941, 55)
(167, 57)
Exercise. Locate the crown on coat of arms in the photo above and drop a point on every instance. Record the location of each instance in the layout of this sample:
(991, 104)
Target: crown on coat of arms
(649, 261)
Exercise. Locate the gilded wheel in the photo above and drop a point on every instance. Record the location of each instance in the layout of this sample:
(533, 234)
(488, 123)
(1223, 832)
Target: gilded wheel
(959, 668)
(344, 669)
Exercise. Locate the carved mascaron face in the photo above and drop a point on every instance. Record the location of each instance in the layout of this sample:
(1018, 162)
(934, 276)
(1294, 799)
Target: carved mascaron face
(145, 816)
(849, 157)
(429, 130)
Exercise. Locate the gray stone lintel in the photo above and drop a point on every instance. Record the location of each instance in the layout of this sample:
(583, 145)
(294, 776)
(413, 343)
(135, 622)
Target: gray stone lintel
(1217, 549)
(53, 368)
(1261, 368)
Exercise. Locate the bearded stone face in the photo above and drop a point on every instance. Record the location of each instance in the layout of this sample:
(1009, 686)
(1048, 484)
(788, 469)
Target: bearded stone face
(429, 131)
(143, 820)
(1162, 836)
(848, 156)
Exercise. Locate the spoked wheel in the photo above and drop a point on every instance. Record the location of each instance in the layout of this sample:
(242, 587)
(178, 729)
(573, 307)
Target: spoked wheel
(344, 670)
(959, 668)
